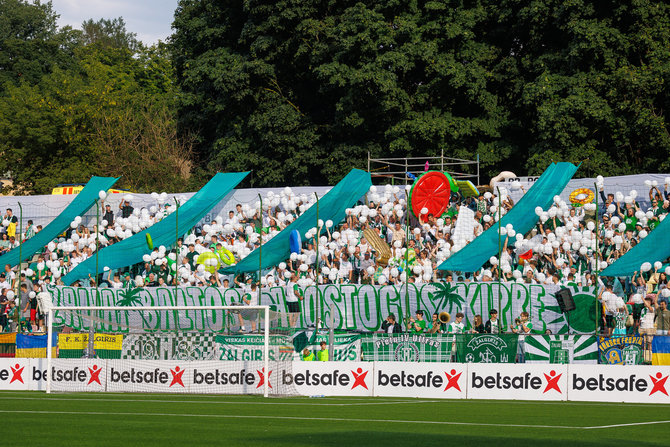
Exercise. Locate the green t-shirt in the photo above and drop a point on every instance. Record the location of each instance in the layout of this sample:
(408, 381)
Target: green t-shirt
(529, 325)
(422, 326)
(322, 355)
(630, 222)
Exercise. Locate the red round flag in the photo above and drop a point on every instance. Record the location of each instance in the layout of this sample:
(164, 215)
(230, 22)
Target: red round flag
(430, 191)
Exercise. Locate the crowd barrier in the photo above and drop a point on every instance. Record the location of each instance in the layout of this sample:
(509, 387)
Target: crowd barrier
(561, 382)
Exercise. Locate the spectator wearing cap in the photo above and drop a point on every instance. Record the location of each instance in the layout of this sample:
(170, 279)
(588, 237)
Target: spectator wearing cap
(126, 209)
(108, 216)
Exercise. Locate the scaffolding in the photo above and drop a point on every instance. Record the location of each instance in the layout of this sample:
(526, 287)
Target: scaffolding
(395, 170)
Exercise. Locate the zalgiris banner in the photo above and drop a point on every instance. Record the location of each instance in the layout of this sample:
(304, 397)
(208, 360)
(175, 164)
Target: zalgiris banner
(487, 348)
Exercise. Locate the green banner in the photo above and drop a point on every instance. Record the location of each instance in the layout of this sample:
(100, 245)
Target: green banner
(407, 347)
(487, 348)
(626, 350)
(346, 347)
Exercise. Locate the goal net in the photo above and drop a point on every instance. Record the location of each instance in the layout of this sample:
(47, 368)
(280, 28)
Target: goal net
(172, 349)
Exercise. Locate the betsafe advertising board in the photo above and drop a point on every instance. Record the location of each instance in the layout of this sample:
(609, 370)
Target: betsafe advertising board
(521, 381)
(427, 380)
(635, 383)
(599, 383)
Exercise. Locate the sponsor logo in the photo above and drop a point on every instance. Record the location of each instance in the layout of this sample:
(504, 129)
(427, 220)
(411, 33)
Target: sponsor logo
(261, 376)
(177, 373)
(408, 380)
(335, 378)
(139, 376)
(659, 384)
(359, 378)
(217, 377)
(552, 381)
(601, 383)
(527, 381)
(16, 373)
(94, 374)
(452, 380)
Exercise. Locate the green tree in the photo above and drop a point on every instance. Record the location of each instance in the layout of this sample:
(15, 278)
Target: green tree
(69, 126)
(302, 91)
(108, 33)
(587, 81)
(31, 43)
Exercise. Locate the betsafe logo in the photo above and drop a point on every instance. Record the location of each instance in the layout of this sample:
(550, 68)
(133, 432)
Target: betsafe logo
(527, 381)
(16, 373)
(335, 378)
(156, 376)
(241, 377)
(427, 380)
(632, 383)
(89, 375)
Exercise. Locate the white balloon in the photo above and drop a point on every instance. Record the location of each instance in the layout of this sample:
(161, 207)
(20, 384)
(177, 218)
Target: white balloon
(645, 267)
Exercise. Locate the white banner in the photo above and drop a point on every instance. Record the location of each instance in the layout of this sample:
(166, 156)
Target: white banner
(15, 374)
(356, 307)
(609, 383)
(517, 382)
(428, 380)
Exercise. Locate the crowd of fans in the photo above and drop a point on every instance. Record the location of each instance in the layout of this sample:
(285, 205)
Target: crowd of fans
(564, 247)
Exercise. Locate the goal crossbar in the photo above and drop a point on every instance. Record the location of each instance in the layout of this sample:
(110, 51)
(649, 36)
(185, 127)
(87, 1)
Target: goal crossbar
(52, 309)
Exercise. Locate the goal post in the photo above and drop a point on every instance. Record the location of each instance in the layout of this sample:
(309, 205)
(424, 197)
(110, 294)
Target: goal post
(210, 322)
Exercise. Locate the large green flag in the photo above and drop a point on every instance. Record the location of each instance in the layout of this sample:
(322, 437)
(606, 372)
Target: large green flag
(487, 348)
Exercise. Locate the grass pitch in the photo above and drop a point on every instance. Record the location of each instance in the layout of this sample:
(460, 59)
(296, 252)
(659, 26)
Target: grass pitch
(107, 419)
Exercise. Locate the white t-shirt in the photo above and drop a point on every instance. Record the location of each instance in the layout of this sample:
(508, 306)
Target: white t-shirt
(647, 318)
(456, 328)
(291, 297)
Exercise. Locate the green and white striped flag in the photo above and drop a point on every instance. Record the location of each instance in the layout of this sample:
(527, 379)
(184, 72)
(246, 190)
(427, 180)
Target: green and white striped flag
(545, 348)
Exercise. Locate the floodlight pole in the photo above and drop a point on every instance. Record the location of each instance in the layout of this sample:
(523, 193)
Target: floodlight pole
(260, 251)
(499, 258)
(91, 330)
(406, 253)
(176, 248)
(18, 282)
(316, 267)
(597, 262)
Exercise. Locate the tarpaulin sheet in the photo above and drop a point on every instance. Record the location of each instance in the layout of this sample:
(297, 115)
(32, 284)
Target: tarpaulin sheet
(654, 247)
(522, 217)
(130, 251)
(332, 206)
(81, 203)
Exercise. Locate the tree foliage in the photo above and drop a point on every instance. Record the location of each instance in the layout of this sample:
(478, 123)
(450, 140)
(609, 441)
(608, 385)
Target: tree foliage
(108, 109)
(301, 92)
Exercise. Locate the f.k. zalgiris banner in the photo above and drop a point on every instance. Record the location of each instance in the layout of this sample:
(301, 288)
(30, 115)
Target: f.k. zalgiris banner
(355, 307)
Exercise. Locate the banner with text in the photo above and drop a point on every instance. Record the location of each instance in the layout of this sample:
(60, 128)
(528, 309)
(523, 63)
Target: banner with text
(356, 307)
(346, 347)
(407, 347)
(487, 348)
(628, 350)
